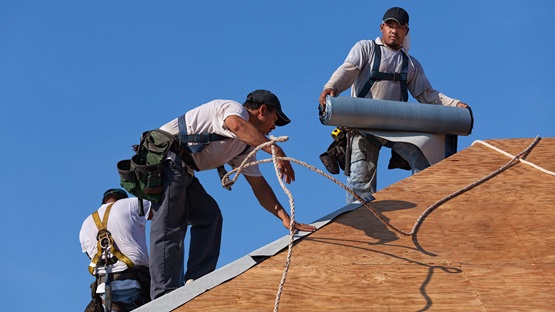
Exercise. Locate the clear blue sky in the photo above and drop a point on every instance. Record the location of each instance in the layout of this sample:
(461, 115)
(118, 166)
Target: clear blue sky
(80, 81)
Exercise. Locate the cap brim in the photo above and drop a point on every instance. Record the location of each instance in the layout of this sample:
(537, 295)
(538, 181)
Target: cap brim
(394, 19)
(282, 119)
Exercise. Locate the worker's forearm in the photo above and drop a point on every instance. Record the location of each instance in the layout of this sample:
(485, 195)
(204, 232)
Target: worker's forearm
(246, 132)
(266, 197)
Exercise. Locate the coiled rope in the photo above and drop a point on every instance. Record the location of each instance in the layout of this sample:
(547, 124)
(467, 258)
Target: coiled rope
(226, 182)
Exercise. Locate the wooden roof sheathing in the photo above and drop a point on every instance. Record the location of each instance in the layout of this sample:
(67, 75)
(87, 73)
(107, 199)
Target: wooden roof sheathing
(491, 248)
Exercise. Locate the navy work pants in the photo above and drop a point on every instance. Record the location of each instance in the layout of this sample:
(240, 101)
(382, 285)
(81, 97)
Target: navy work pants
(185, 202)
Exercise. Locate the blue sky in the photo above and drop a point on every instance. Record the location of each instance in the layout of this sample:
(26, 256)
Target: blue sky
(80, 81)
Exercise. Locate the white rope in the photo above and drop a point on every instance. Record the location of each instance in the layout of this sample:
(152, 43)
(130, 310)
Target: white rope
(291, 230)
(522, 160)
(226, 182)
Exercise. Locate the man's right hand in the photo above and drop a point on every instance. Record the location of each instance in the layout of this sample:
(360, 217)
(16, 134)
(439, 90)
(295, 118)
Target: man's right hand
(285, 169)
(301, 226)
(326, 92)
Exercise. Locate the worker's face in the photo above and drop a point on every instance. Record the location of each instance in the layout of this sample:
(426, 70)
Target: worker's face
(266, 119)
(393, 34)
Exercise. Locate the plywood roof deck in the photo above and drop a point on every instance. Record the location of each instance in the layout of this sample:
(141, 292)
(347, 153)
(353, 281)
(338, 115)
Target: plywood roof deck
(489, 249)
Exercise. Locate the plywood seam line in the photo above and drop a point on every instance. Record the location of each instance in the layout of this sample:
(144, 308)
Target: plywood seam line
(226, 182)
(531, 164)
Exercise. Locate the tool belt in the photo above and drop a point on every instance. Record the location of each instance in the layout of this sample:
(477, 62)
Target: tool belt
(334, 158)
(142, 175)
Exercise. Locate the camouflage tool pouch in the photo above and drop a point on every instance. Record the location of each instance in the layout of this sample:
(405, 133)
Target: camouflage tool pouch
(142, 174)
(143, 181)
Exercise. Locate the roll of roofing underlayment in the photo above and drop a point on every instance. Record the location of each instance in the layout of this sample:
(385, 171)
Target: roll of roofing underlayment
(362, 113)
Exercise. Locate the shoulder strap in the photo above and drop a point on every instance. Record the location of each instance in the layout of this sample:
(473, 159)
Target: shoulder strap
(404, 75)
(104, 240)
(376, 75)
(102, 225)
(375, 69)
(202, 138)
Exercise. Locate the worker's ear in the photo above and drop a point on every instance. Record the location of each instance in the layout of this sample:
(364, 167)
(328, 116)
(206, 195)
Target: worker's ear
(407, 31)
(263, 109)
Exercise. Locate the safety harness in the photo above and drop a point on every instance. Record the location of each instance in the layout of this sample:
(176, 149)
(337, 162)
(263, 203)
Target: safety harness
(105, 245)
(107, 254)
(376, 75)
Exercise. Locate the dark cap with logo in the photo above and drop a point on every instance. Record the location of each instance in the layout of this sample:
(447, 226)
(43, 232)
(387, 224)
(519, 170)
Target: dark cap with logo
(114, 192)
(271, 100)
(397, 14)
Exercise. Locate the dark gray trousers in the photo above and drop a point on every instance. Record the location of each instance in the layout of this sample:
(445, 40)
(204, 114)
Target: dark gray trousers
(364, 163)
(185, 202)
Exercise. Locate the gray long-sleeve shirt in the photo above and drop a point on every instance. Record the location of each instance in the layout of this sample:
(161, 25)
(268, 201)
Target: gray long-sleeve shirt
(355, 72)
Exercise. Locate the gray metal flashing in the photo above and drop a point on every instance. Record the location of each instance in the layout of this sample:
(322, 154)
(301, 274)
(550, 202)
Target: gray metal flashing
(184, 294)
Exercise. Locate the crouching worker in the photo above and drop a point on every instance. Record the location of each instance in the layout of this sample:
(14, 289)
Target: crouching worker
(230, 130)
(114, 239)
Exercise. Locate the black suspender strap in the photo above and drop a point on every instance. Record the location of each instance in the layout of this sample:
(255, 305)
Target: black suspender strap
(404, 76)
(373, 72)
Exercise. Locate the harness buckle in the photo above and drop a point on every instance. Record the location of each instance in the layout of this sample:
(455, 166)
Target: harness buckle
(104, 237)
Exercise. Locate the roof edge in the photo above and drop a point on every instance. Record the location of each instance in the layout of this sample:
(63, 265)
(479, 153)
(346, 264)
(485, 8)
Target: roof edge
(184, 294)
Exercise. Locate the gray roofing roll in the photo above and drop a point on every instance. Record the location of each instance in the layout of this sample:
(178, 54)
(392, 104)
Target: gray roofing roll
(373, 114)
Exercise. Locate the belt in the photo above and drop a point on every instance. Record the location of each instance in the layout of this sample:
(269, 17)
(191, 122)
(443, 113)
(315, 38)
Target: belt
(118, 276)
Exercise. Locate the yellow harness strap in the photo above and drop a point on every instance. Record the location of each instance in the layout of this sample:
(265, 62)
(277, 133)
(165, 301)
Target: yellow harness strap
(104, 235)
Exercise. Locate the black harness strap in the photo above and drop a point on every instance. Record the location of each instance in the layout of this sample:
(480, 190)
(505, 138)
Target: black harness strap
(202, 138)
(376, 75)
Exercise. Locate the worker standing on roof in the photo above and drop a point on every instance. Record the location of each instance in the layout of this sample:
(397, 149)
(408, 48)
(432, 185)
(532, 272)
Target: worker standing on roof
(114, 239)
(388, 79)
(234, 130)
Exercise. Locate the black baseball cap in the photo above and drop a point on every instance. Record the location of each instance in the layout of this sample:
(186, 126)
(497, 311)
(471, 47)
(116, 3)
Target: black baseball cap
(120, 192)
(270, 99)
(397, 14)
